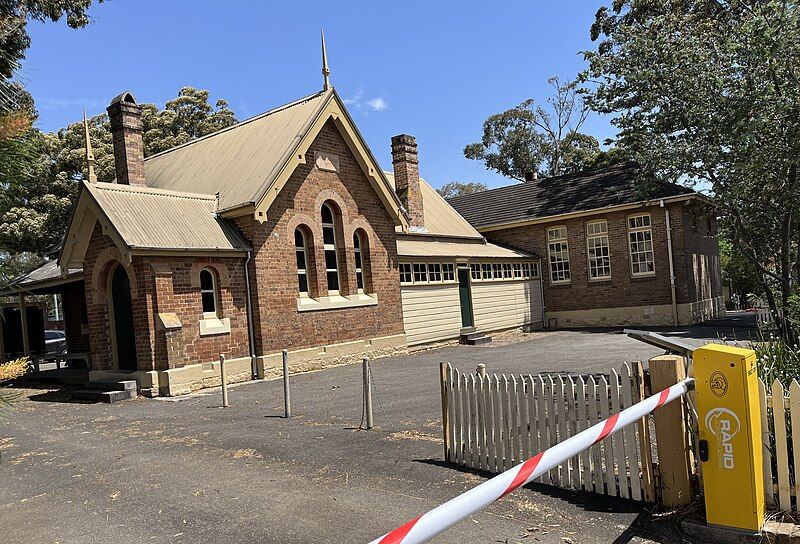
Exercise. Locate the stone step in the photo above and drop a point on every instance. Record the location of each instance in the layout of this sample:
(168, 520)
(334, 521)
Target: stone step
(478, 341)
(104, 396)
(108, 385)
(472, 335)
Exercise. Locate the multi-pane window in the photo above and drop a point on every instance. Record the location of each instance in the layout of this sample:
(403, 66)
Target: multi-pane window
(329, 245)
(406, 275)
(640, 242)
(518, 270)
(475, 271)
(597, 248)
(486, 268)
(507, 271)
(448, 272)
(434, 272)
(208, 293)
(558, 253)
(359, 264)
(301, 253)
(420, 273)
(497, 271)
(526, 270)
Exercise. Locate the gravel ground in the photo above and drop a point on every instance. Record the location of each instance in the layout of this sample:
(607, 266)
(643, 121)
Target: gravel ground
(190, 471)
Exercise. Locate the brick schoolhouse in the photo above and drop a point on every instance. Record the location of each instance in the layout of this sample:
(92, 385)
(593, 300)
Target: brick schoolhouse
(616, 252)
(282, 232)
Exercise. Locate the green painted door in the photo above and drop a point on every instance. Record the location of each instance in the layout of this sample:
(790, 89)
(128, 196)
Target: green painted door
(465, 298)
(124, 338)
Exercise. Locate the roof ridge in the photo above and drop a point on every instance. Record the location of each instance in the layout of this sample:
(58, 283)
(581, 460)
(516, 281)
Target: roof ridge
(240, 123)
(119, 187)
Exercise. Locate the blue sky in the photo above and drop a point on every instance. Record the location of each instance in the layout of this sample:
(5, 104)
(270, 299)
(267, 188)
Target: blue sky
(432, 69)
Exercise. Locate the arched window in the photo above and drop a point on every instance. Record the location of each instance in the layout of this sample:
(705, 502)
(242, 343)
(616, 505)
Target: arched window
(209, 293)
(329, 244)
(357, 245)
(301, 251)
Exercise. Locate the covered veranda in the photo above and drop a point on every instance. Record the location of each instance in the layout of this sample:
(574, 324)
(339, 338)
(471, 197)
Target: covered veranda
(22, 331)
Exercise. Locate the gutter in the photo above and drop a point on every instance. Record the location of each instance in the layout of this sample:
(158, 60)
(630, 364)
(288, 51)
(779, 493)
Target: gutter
(671, 265)
(251, 340)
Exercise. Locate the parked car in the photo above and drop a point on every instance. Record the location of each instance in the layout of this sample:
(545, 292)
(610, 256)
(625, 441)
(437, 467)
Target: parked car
(55, 342)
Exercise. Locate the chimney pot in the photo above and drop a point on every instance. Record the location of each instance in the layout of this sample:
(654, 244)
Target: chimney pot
(405, 161)
(531, 176)
(126, 133)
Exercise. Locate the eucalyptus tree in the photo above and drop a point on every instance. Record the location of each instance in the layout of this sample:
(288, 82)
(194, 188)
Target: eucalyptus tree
(708, 91)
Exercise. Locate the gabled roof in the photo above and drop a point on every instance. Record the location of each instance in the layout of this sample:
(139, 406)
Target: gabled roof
(558, 195)
(440, 217)
(237, 161)
(142, 219)
(248, 164)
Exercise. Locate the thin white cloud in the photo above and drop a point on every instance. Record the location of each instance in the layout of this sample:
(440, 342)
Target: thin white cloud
(378, 104)
(366, 105)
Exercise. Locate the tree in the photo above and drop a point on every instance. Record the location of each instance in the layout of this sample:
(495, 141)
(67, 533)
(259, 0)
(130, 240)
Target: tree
(706, 91)
(457, 188)
(529, 138)
(36, 208)
(14, 17)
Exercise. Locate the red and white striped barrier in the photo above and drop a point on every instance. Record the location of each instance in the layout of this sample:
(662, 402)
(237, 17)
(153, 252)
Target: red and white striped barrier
(448, 514)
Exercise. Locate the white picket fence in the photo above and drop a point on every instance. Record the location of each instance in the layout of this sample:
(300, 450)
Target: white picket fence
(777, 409)
(764, 320)
(495, 422)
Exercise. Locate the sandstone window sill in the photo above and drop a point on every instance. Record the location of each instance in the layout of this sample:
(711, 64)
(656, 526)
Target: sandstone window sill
(215, 325)
(336, 302)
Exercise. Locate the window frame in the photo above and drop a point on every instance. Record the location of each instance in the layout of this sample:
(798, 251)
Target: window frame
(358, 260)
(434, 272)
(214, 291)
(635, 230)
(301, 271)
(331, 248)
(559, 240)
(424, 270)
(448, 269)
(410, 272)
(593, 236)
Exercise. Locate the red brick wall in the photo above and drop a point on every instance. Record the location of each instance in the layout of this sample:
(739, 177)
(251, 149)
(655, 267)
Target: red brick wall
(73, 303)
(622, 289)
(174, 293)
(274, 272)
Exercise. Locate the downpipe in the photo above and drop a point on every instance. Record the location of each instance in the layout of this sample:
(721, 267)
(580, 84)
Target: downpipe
(251, 340)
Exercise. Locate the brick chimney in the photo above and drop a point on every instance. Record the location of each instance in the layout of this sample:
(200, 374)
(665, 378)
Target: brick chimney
(126, 132)
(406, 176)
(530, 177)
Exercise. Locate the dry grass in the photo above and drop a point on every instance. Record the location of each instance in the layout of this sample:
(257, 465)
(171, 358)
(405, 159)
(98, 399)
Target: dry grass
(14, 369)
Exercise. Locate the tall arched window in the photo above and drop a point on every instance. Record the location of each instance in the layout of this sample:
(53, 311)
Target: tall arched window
(357, 246)
(329, 244)
(301, 251)
(208, 293)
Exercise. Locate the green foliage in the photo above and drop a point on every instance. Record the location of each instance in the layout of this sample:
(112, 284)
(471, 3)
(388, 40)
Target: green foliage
(706, 91)
(531, 138)
(14, 17)
(35, 208)
(737, 271)
(457, 188)
(777, 359)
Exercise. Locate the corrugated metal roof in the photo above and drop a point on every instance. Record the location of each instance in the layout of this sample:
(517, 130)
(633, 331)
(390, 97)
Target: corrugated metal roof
(240, 161)
(149, 218)
(418, 246)
(46, 275)
(440, 217)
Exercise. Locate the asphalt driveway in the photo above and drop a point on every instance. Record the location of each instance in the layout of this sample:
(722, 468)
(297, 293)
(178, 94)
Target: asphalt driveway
(191, 471)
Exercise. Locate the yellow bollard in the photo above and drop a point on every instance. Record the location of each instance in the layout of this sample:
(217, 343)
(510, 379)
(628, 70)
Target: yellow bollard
(729, 423)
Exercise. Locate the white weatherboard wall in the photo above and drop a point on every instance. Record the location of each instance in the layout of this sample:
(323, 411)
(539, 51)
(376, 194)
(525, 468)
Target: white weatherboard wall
(506, 304)
(431, 312)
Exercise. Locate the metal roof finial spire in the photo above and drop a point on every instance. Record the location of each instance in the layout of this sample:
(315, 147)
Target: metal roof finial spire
(89, 155)
(326, 72)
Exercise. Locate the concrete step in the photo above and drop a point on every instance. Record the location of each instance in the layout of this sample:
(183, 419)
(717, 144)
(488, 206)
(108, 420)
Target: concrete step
(107, 385)
(478, 341)
(472, 335)
(104, 396)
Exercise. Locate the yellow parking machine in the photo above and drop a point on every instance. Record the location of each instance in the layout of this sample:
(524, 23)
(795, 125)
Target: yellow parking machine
(730, 436)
